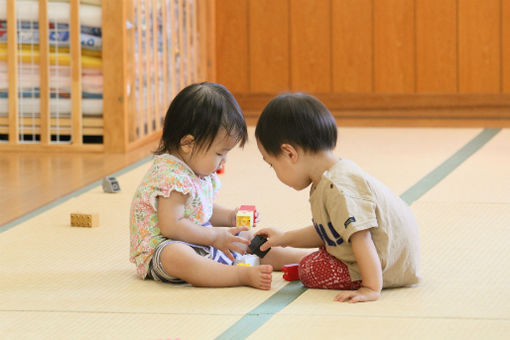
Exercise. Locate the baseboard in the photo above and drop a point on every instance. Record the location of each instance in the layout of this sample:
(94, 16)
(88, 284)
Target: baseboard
(431, 110)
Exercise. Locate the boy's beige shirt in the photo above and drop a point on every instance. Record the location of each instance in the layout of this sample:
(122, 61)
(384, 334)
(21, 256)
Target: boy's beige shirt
(347, 200)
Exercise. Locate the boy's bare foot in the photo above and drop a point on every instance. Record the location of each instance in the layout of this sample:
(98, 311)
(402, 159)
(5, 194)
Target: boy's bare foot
(258, 277)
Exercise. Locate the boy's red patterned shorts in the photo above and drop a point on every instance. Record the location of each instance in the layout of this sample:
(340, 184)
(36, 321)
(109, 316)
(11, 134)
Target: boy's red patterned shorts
(321, 270)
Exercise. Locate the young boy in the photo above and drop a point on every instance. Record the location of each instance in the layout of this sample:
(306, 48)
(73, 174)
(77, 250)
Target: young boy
(367, 235)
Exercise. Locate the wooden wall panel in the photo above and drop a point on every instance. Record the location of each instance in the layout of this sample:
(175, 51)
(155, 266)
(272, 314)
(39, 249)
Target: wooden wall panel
(479, 46)
(232, 53)
(352, 45)
(444, 60)
(394, 48)
(310, 47)
(436, 46)
(269, 45)
(505, 39)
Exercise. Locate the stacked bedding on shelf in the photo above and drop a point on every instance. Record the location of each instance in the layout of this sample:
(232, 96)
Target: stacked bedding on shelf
(27, 12)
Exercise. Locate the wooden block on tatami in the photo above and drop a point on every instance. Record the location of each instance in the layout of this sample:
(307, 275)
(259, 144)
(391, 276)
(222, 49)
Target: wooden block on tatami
(84, 220)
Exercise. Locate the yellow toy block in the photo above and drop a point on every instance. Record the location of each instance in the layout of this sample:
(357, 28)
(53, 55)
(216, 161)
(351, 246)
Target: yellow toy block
(245, 216)
(244, 221)
(84, 220)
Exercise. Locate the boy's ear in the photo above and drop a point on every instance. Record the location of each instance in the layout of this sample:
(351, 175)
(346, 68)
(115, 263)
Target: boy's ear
(187, 143)
(290, 152)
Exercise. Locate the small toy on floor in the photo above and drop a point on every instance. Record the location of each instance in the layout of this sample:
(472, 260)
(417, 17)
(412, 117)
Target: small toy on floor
(110, 184)
(84, 220)
(221, 170)
(255, 246)
(290, 272)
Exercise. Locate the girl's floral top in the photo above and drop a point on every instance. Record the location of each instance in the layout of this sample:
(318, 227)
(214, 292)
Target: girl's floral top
(167, 173)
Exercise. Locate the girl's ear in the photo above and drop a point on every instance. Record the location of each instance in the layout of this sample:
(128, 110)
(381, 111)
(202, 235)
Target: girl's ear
(290, 152)
(187, 143)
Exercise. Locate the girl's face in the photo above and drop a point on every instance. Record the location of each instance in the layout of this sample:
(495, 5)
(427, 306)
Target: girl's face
(205, 162)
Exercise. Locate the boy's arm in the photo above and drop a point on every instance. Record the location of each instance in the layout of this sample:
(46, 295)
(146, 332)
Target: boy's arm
(174, 225)
(370, 269)
(305, 237)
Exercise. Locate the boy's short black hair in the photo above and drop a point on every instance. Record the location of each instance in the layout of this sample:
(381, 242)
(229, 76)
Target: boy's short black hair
(200, 110)
(297, 119)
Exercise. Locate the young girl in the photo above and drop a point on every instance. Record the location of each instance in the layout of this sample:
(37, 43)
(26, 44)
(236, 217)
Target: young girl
(178, 233)
(367, 235)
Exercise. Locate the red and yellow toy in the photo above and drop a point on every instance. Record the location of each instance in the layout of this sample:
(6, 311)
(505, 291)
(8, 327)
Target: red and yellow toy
(246, 216)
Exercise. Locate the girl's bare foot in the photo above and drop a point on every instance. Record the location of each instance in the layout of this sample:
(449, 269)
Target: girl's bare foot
(258, 277)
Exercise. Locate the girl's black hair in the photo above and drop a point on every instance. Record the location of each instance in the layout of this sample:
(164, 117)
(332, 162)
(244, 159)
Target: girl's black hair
(297, 119)
(200, 110)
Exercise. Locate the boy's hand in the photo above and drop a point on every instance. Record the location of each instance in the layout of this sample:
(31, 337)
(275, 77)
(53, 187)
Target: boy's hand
(361, 295)
(274, 238)
(225, 238)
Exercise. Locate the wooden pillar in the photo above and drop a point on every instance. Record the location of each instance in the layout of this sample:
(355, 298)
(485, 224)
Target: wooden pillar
(12, 62)
(76, 112)
(115, 73)
(44, 67)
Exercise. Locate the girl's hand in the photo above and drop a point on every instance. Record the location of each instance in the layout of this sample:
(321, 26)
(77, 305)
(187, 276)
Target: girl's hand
(257, 218)
(361, 295)
(225, 238)
(274, 236)
(234, 214)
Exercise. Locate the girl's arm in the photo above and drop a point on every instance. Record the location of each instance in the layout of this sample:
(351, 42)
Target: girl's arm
(370, 269)
(173, 225)
(222, 216)
(300, 238)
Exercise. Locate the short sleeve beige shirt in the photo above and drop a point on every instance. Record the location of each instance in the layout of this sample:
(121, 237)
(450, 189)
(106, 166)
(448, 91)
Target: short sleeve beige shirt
(347, 200)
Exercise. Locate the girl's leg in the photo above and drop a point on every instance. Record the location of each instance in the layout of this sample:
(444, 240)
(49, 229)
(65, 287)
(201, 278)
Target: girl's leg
(180, 260)
(321, 270)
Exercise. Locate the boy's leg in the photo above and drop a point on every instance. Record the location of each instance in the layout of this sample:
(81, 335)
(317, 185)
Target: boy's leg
(322, 270)
(279, 257)
(180, 260)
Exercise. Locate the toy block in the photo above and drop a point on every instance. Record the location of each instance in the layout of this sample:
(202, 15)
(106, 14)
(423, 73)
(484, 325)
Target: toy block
(290, 272)
(255, 246)
(84, 220)
(110, 184)
(248, 260)
(245, 216)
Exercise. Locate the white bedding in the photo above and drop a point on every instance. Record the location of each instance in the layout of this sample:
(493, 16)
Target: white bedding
(28, 10)
(90, 107)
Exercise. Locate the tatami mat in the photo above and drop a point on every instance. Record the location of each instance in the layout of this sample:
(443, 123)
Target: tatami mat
(485, 177)
(466, 275)
(58, 282)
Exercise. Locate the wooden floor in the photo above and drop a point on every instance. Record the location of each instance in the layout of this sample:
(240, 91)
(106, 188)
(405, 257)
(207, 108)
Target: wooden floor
(30, 180)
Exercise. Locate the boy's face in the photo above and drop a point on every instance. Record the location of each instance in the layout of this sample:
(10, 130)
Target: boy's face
(288, 166)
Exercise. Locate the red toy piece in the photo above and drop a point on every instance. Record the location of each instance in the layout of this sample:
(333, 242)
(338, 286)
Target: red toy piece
(290, 272)
(221, 170)
(248, 207)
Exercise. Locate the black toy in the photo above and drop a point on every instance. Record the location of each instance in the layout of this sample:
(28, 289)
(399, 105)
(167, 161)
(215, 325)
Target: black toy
(255, 246)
